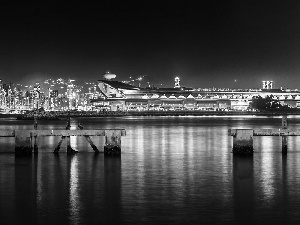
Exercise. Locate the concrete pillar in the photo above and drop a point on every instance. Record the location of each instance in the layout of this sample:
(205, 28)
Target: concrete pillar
(89, 139)
(68, 127)
(80, 127)
(59, 144)
(284, 138)
(112, 143)
(23, 144)
(70, 150)
(284, 122)
(243, 142)
(91, 143)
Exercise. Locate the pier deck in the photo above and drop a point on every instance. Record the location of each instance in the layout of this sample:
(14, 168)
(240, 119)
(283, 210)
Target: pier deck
(33, 133)
(26, 140)
(243, 138)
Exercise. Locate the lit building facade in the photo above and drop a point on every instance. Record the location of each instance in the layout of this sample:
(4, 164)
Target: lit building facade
(117, 95)
(109, 94)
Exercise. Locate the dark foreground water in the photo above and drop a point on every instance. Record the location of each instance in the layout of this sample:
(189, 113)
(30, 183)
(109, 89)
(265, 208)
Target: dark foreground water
(173, 170)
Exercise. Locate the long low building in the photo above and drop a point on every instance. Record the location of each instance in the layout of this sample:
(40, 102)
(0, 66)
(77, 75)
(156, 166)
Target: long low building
(122, 96)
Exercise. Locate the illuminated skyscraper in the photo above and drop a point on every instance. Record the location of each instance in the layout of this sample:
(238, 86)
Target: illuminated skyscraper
(36, 95)
(70, 93)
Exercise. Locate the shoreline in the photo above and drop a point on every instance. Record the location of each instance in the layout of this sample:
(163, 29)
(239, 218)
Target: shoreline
(170, 113)
(211, 113)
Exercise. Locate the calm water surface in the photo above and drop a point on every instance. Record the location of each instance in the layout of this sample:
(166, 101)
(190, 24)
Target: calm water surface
(173, 170)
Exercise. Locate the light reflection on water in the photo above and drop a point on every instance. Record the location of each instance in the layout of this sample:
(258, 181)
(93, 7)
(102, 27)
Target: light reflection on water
(173, 170)
(74, 195)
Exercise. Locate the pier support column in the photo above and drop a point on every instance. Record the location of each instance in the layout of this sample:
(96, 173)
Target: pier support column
(59, 144)
(23, 144)
(89, 140)
(91, 143)
(112, 143)
(243, 142)
(284, 138)
(70, 150)
(284, 122)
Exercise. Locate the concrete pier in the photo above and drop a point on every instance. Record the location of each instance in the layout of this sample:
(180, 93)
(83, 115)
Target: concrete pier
(23, 144)
(243, 142)
(24, 139)
(112, 143)
(243, 138)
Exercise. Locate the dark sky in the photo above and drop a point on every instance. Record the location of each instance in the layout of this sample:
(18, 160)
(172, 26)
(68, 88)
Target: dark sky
(206, 43)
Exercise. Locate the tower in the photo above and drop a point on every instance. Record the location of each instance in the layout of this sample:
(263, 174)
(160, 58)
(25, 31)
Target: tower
(108, 75)
(267, 84)
(177, 82)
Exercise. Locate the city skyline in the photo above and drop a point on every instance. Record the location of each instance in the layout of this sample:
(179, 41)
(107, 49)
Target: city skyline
(232, 44)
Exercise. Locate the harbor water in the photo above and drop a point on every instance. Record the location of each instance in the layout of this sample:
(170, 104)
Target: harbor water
(173, 170)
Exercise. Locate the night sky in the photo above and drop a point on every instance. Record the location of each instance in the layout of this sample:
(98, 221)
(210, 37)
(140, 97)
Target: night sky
(232, 44)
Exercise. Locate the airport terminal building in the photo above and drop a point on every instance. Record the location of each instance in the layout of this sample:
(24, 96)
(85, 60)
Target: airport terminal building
(116, 95)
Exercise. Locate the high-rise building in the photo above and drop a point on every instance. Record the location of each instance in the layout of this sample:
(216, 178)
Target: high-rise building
(36, 95)
(70, 93)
